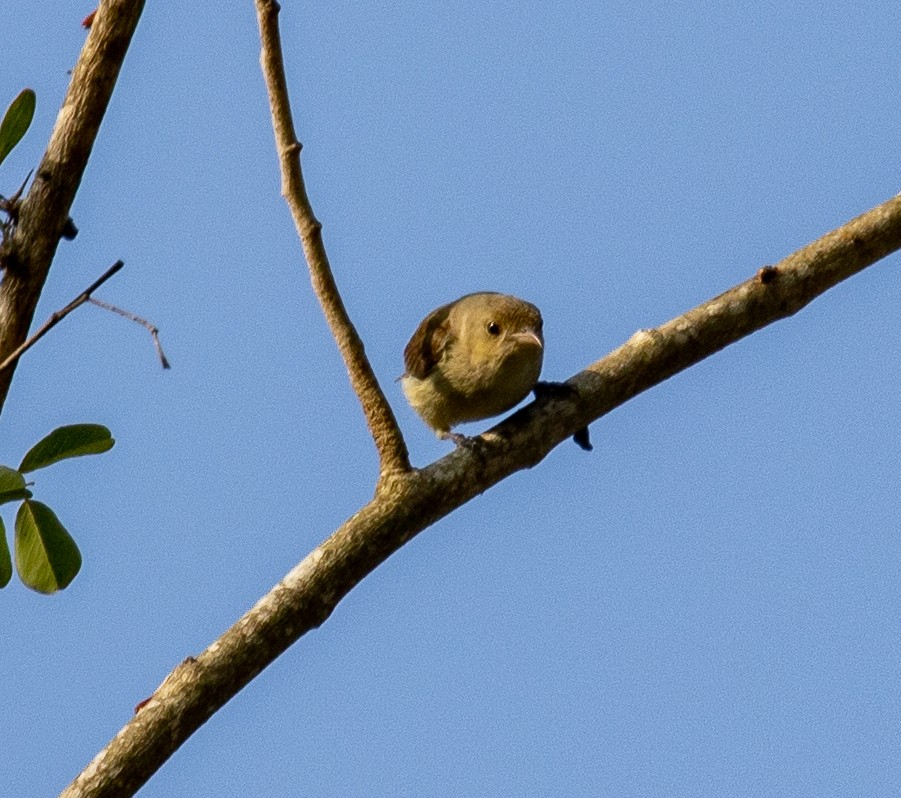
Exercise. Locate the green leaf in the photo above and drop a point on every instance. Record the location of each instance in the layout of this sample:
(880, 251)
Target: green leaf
(10, 479)
(12, 485)
(6, 563)
(74, 440)
(46, 556)
(15, 495)
(16, 121)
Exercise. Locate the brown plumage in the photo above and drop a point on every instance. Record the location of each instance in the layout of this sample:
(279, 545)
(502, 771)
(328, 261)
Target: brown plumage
(472, 359)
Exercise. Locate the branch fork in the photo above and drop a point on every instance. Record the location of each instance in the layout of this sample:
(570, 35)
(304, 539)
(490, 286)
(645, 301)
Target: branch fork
(407, 500)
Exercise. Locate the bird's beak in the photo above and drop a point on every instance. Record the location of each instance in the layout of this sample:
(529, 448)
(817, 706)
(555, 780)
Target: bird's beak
(530, 338)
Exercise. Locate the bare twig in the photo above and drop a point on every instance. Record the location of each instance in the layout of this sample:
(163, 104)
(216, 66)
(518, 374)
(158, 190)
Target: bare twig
(58, 315)
(151, 328)
(379, 416)
(10, 205)
(306, 597)
(43, 215)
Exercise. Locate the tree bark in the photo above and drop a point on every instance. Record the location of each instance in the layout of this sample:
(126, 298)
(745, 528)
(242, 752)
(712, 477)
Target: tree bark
(26, 255)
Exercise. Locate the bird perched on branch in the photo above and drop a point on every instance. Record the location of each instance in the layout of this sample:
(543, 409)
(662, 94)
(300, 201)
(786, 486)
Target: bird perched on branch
(472, 359)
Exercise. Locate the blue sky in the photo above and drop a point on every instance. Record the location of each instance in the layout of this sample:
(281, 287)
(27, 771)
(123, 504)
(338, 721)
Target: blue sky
(708, 604)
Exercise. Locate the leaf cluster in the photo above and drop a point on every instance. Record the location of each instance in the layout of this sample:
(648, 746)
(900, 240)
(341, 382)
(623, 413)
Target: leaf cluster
(47, 558)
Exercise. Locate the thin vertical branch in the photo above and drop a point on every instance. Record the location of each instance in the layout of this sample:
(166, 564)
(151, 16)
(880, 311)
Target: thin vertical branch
(379, 416)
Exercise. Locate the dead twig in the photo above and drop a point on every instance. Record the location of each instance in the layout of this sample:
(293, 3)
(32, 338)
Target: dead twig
(151, 328)
(58, 315)
(10, 205)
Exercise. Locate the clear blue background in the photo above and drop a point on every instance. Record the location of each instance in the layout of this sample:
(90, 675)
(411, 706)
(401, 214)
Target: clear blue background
(708, 604)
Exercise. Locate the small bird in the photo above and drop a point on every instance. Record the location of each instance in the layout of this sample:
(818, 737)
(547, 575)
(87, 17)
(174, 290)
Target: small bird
(472, 359)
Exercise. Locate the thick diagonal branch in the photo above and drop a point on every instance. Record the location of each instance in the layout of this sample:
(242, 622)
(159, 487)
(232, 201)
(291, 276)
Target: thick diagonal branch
(409, 502)
(382, 424)
(26, 256)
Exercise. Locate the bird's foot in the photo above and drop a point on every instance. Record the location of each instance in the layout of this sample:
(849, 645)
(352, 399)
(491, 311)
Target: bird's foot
(460, 440)
(563, 390)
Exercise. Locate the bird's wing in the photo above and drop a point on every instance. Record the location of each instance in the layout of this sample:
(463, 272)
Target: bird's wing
(428, 343)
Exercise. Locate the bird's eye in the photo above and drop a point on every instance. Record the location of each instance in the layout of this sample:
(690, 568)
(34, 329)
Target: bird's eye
(494, 328)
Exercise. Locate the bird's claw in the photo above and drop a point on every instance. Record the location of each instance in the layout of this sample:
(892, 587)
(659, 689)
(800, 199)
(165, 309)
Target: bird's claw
(563, 390)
